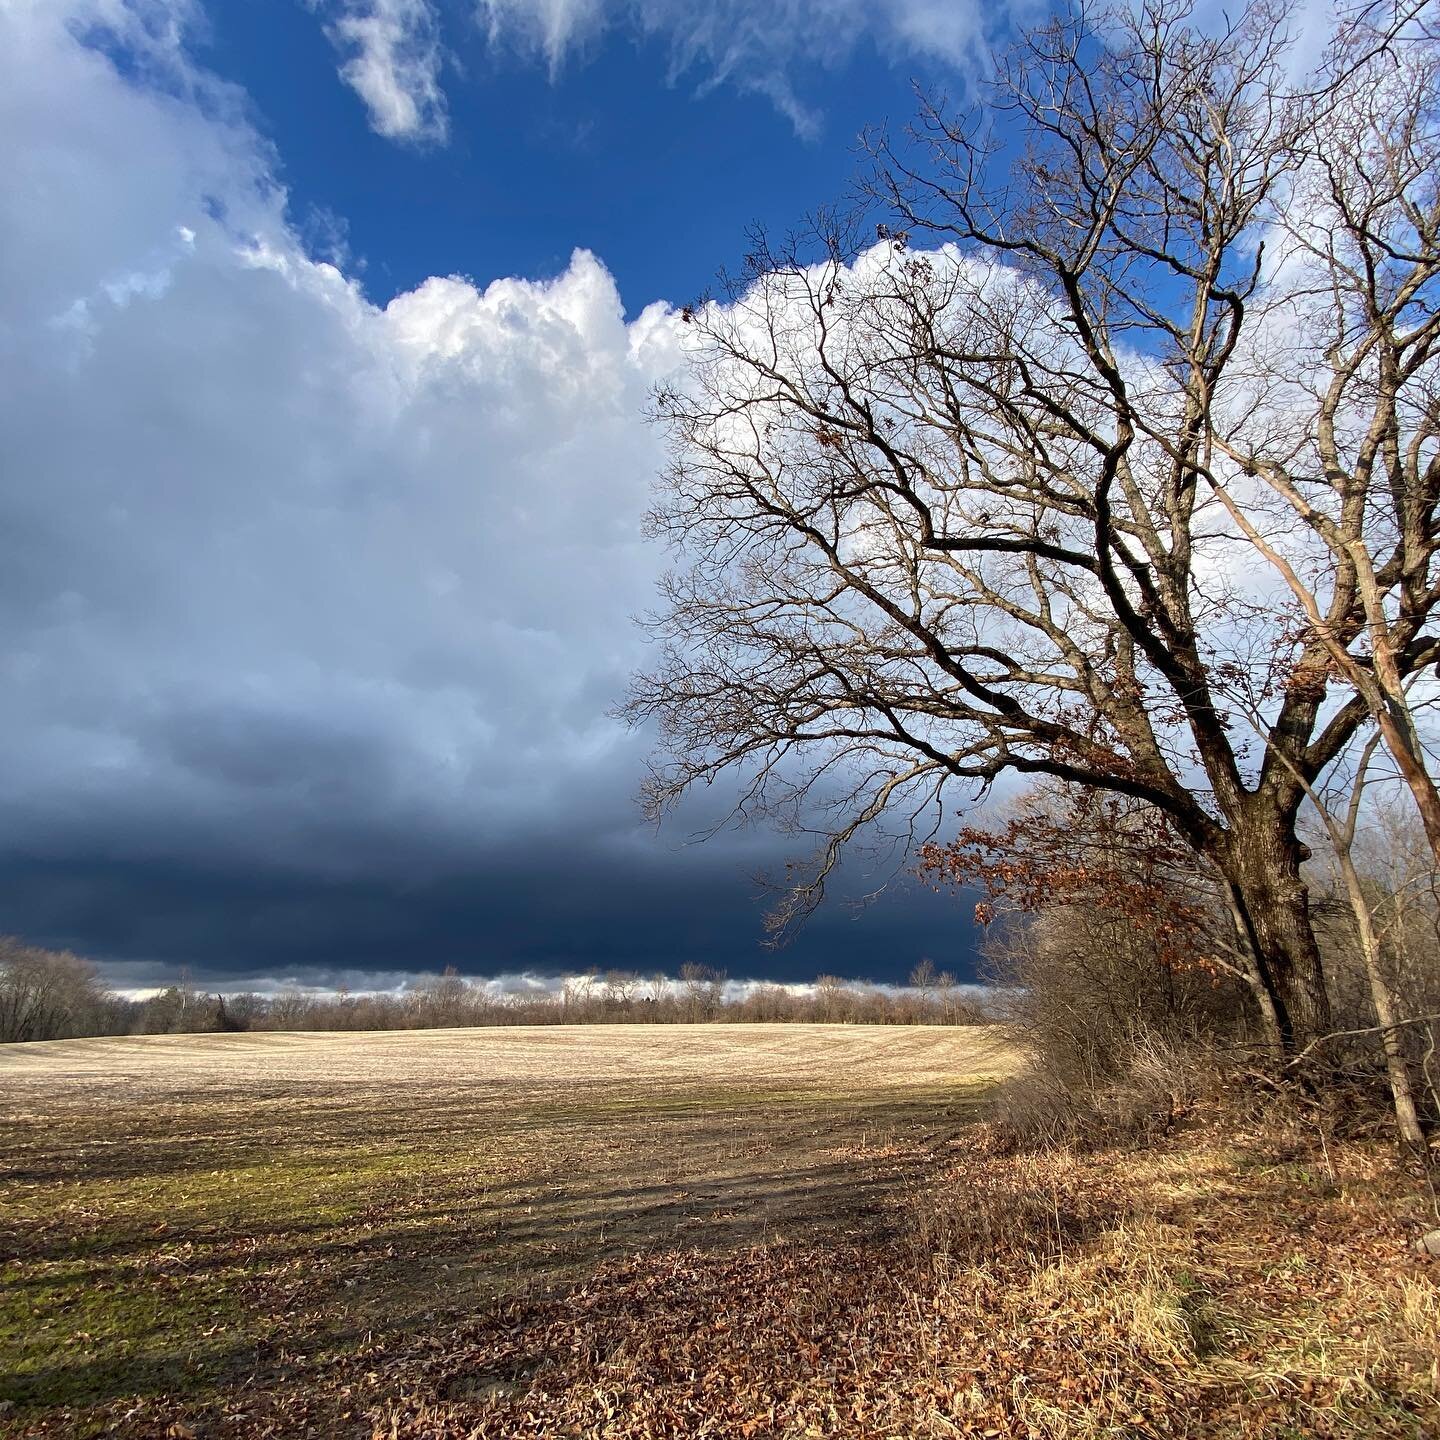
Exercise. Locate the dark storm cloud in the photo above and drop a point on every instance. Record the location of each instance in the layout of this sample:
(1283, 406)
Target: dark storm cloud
(312, 613)
(542, 915)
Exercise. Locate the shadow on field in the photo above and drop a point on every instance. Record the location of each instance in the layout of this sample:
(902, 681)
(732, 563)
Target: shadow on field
(404, 1263)
(201, 1135)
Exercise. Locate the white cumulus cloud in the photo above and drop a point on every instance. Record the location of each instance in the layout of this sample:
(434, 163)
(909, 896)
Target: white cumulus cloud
(286, 572)
(313, 611)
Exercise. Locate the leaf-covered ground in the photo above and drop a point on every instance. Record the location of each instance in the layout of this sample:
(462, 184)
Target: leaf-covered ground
(912, 1281)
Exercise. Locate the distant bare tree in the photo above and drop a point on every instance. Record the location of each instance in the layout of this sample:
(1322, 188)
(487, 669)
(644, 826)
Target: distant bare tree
(923, 979)
(621, 988)
(830, 996)
(951, 1009)
(703, 987)
(46, 994)
(443, 999)
(993, 507)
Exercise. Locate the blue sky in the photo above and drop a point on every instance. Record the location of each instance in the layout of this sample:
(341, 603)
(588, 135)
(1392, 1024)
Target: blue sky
(659, 174)
(328, 330)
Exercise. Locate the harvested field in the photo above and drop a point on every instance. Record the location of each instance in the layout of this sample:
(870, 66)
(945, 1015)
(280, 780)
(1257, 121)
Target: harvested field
(537, 1057)
(184, 1214)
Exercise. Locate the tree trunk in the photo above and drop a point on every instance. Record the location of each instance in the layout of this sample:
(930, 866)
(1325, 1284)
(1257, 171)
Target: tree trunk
(1262, 862)
(1260, 989)
(1397, 1069)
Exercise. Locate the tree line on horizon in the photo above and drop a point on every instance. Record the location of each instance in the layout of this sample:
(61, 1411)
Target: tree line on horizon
(54, 995)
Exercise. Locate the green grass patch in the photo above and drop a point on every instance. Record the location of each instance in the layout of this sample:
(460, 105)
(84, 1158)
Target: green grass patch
(171, 1282)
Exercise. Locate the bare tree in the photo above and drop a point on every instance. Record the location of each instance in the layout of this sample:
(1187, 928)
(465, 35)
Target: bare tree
(703, 988)
(46, 994)
(924, 980)
(991, 507)
(1339, 395)
(1340, 808)
(621, 988)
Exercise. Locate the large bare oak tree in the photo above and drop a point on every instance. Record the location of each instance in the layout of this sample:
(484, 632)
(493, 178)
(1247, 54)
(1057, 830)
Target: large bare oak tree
(1102, 441)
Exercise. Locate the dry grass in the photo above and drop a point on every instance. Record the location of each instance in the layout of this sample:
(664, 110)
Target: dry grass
(539, 1057)
(1212, 1287)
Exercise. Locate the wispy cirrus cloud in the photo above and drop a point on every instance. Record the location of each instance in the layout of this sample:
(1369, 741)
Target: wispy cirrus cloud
(393, 53)
(768, 47)
(392, 58)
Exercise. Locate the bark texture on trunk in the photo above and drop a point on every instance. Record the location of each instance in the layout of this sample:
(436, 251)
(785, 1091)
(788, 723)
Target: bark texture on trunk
(1262, 863)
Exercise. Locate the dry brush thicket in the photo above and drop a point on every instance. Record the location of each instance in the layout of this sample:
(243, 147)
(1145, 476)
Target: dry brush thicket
(1115, 961)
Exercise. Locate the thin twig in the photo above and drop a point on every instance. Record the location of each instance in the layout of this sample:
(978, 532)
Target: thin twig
(1366, 1030)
